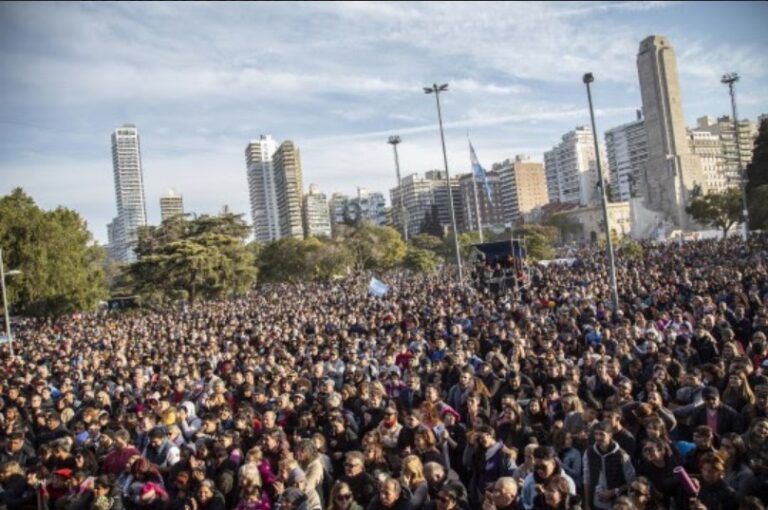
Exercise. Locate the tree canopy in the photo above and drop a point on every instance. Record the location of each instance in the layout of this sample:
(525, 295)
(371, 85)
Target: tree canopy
(757, 181)
(205, 257)
(61, 267)
(721, 210)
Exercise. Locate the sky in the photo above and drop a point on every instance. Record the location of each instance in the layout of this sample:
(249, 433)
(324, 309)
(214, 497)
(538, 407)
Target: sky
(201, 79)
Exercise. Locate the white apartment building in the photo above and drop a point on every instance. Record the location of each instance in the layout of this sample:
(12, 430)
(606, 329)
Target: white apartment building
(317, 221)
(419, 194)
(129, 193)
(722, 127)
(571, 168)
(261, 188)
(709, 148)
(626, 148)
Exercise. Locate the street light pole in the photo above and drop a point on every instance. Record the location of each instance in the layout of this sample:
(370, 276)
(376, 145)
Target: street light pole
(436, 89)
(5, 305)
(729, 79)
(589, 78)
(394, 140)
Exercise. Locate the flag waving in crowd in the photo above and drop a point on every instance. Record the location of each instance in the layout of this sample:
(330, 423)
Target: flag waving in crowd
(479, 172)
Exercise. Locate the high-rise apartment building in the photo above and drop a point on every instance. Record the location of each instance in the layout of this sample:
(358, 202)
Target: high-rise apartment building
(289, 189)
(671, 172)
(317, 221)
(523, 187)
(261, 188)
(336, 208)
(626, 148)
(129, 192)
(491, 211)
(571, 168)
(724, 130)
(419, 194)
(171, 204)
(710, 151)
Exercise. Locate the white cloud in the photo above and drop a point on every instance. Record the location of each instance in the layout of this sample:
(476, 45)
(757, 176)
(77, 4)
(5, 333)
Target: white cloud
(201, 79)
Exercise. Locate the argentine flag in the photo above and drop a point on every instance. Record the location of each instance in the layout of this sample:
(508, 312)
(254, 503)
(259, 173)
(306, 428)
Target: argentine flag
(377, 288)
(479, 173)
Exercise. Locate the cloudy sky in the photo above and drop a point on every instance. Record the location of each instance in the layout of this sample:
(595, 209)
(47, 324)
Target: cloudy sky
(202, 79)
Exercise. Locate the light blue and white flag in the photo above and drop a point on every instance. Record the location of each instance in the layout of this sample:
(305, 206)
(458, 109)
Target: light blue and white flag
(377, 288)
(479, 172)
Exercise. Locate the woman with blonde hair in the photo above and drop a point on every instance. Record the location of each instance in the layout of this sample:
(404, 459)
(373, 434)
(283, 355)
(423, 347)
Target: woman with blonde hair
(341, 498)
(252, 497)
(412, 477)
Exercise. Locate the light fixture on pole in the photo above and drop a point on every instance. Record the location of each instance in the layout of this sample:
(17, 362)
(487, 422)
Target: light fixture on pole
(589, 78)
(730, 79)
(436, 89)
(3, 274)
(394, 140)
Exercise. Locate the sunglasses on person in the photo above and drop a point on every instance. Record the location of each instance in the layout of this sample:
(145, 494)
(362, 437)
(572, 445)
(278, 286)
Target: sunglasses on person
(637, 491)
(344, 497)
(444, 499)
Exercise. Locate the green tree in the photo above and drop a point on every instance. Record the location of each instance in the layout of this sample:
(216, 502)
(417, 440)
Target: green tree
(427, 242)
(283, 260)
(538, 240)
(373, 247)
(61, 266)
(205, 257)
(758, 208)
(294, 260)
(721, 210)
(630, 249)
(757, 181)
(421, 260)
(327, 259)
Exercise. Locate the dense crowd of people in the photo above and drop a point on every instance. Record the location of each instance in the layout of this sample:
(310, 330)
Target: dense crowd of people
(437, 396)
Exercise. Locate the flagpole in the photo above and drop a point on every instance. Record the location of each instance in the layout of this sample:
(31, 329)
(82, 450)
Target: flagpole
(477, 202)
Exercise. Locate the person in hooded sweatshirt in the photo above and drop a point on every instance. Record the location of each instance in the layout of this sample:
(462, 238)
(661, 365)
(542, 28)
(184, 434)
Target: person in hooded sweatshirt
(608, 469)
(546, 466)
(187, 420)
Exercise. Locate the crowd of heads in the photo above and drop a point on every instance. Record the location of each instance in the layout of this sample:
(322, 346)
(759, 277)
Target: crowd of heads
(436, 396)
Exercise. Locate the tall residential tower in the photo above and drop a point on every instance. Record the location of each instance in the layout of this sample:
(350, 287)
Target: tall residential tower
(261, 188)
(129, 192)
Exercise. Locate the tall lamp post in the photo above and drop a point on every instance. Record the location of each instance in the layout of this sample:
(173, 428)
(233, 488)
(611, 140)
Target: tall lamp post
(394, 140)
(589, 78)
(730, 79)
(5, 300)
(436, 89)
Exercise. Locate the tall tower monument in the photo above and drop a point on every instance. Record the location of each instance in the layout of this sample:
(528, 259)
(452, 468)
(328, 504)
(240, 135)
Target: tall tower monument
(672, 175)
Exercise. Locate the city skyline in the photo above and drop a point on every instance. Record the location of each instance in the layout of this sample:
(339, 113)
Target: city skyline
(201, 80)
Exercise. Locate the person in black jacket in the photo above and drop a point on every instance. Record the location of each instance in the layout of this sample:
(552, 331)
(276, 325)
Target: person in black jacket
(16, 492)
(392, 496)
(722, 419)
(16, 448)
(714, 493)
(363, 485)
